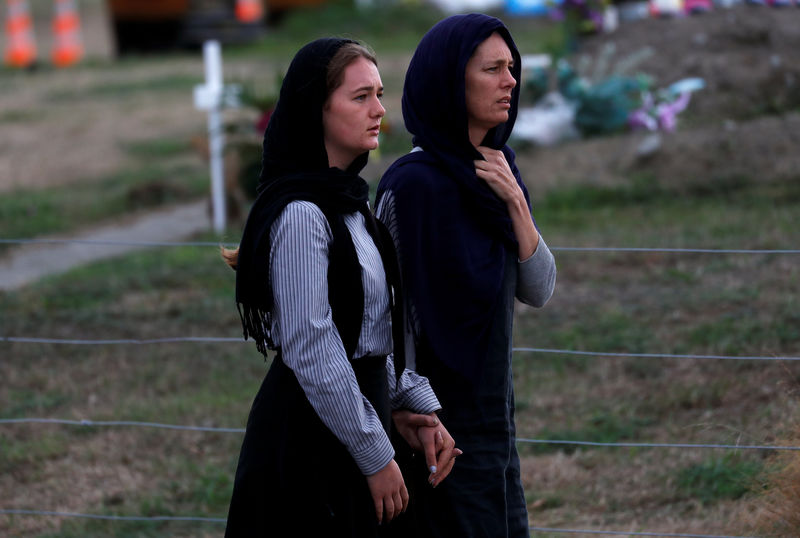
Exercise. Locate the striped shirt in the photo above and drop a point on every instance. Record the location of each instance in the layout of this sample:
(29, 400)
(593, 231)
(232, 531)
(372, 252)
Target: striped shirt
(311, 346)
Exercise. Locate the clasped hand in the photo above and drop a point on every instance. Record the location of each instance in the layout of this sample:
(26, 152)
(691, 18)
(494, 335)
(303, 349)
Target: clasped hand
(423, 433)
(427, 434)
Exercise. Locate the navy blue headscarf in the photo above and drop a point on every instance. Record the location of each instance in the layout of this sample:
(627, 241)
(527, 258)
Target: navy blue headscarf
(454, 233)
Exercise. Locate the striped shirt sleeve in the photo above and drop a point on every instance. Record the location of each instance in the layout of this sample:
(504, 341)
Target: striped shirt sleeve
(311, 346)
(412, 392)
(385, 212)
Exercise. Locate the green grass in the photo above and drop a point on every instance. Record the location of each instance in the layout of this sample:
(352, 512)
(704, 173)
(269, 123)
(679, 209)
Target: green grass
(31, 453)
(396, 142)
(120, 89)
(600, 427)
(612, 302)
(610, 330)
(32, 212)
(161, 292)
(159, 148)
(22, 116)
(32, 402)
(130, 529)
(387, 28)
(721, 477)
(713, 213)
(740, 305)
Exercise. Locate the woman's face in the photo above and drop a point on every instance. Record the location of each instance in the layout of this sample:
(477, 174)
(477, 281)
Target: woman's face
(351, 118)
(489, 83)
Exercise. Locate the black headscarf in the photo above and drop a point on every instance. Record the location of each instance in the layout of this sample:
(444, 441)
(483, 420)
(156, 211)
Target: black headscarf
(295, 167)
(454, 233)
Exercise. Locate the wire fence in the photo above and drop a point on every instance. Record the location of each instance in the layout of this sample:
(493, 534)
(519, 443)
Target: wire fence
(113, 242)
(228, 340)
(532, 350)
(199, 519)
(213, 429)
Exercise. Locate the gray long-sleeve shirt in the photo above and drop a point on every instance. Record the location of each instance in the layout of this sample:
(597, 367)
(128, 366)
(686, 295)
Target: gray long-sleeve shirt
(311, 345)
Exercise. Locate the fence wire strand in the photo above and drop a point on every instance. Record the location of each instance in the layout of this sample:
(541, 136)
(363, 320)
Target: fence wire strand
(655, 445)
(118, 341)
(113, 242)
(219, 339)
(22, 512)
(109, 423)
(654, 355)
(631, 533)
(212, 429)
(199, 519)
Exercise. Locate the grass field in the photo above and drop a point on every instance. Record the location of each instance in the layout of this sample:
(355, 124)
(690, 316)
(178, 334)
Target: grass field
(709, 304)
(605, 302)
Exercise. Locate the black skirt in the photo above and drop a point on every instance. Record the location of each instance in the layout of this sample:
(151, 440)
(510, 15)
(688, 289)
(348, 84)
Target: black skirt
(294, 477)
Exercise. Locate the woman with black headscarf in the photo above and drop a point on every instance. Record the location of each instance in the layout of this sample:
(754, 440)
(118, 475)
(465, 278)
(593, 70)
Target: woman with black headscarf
(460, 216)
(316, 278)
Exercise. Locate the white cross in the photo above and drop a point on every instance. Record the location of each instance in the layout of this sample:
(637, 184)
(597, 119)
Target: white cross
(209, 96)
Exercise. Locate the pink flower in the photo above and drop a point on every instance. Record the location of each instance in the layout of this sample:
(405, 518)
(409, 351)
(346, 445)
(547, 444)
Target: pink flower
(263, 121)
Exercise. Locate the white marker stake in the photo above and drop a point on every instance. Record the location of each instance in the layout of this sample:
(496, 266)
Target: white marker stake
(209, 97)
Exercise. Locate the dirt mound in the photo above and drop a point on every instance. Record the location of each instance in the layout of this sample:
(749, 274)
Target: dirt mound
(749, 57)
(744, 123)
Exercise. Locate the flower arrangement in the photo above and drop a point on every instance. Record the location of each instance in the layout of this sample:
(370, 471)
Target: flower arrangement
(579, 16)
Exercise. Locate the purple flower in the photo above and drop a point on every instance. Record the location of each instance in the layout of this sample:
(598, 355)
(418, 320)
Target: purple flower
(668, 112)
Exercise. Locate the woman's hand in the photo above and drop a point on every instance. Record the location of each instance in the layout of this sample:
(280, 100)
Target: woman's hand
(388, 491)
(426, 434)
(407, 423)
(496, 172)
(439, 448)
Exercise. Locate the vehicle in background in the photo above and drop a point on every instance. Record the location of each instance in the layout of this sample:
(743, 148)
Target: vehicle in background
(152, 25)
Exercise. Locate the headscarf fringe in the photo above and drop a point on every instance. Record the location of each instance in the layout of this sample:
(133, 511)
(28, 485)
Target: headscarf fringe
(257, 323)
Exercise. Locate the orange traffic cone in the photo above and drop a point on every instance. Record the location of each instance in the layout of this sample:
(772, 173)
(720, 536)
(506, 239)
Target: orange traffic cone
(20, 43)
(249, 11)
(67, 46)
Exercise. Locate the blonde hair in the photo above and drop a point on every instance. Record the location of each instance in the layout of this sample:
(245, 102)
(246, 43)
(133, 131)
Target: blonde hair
(230, 256)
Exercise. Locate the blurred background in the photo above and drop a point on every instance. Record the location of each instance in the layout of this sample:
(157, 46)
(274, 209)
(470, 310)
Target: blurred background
(658, 140)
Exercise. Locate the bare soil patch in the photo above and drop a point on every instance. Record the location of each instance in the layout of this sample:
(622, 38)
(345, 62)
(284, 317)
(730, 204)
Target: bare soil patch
(743, 123)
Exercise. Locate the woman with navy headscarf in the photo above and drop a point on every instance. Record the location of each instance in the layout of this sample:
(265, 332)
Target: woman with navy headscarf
(460, 216)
